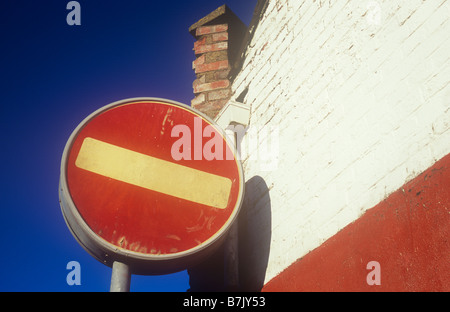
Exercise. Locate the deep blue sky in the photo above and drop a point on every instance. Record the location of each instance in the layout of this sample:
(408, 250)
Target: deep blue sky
(54, 75)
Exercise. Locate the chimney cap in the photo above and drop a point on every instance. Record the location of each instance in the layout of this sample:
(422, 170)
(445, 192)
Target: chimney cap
(221, 15)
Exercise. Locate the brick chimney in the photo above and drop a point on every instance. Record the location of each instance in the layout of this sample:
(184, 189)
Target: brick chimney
(219, 36)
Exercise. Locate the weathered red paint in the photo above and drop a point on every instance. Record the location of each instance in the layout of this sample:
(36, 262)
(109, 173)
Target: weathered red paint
(408, 234)
(138, 219)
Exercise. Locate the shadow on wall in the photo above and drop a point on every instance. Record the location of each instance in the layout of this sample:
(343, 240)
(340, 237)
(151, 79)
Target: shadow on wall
(255, 232)
(255, 227)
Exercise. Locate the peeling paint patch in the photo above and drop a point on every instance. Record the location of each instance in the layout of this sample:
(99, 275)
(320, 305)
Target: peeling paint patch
(122, 242)
(135, 246)
(173, 236)
(167, 119)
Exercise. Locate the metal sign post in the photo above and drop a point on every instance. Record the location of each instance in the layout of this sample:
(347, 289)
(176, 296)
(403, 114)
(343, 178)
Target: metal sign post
(120, 277)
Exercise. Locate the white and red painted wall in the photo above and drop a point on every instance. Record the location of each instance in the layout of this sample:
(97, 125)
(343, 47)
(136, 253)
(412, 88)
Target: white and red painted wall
(351, 100)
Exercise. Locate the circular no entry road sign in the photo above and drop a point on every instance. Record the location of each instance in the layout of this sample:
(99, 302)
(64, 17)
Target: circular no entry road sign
(151, 183)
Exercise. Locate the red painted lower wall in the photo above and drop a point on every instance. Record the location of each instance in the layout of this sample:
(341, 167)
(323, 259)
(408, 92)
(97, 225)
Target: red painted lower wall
(408, 234)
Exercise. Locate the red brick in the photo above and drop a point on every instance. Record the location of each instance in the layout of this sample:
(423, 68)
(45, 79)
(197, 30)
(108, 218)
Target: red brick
(199, 99)
(211, 108)
(199, 81)
(205, 30)
(199, 42)
(221, 84)
(222, 74)
(219, 94)
(199, 61)
(204, 48)
(223, 36)
(211, 66)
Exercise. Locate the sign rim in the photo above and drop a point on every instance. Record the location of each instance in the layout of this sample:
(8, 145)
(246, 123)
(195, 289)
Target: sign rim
(100, 248)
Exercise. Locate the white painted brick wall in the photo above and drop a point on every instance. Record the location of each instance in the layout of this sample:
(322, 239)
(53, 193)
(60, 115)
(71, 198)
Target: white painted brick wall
(358, 96)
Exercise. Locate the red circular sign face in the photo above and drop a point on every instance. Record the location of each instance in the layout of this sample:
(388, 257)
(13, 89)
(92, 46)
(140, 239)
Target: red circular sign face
(153, 177)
